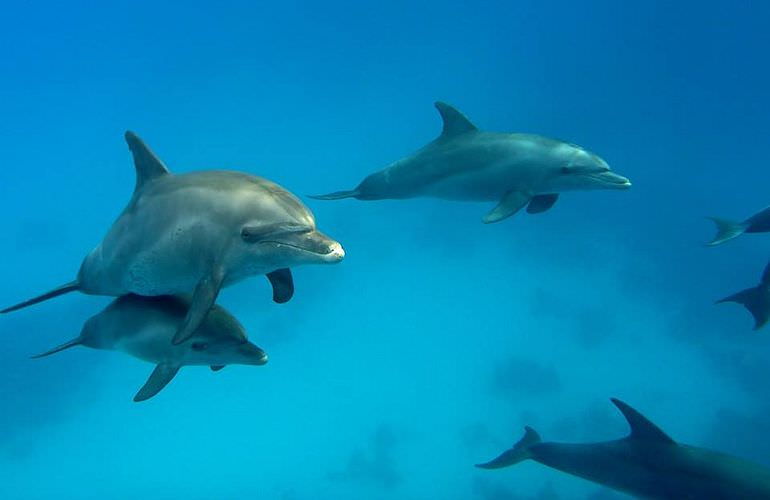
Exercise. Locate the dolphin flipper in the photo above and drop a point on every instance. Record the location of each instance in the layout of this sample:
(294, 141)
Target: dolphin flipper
(160, 377)
(283, 285)
(519, 452)
(66, 288)
(337, 195)
(541, 203)
(216, 368)
(726, 230)
(66, 345)
(203, 298)
(756, 300)
(509, 205)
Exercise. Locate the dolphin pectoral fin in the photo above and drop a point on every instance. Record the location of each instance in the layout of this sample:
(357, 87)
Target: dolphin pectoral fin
(337, 195)
(159, 378)
(203, 298)
(216, 368)
(541, 203)
(66, 345)
(148, 165)
(519, 452)
(726, 230)
(509, 205)
(756, 300)
(641, 426)
(283, 285)
(66, 288)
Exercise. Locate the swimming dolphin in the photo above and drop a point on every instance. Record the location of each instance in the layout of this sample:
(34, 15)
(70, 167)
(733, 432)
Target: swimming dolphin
(646, 464)
(756, 300)
(464, 163)
(728, 229)
(143, 327)
(197, 232)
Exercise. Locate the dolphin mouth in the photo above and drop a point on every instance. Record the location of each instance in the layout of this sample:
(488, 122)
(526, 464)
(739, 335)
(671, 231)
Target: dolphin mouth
(312, 243)
(611, 180)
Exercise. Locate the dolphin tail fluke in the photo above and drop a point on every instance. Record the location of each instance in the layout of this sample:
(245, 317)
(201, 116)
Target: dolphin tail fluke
(66, 288)
(337, 195)
(756, 300)
(726, 230)
(66, 345)
(519, 452)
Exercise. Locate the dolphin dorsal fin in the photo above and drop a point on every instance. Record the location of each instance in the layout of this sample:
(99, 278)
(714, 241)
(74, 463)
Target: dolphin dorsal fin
(641, 427)
(455, 123)
(148, 165)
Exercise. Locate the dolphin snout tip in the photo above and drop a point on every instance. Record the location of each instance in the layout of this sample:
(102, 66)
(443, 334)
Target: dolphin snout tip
(336, 253)
(263, 359)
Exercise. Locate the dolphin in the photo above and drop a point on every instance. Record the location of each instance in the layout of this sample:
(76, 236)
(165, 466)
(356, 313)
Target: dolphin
(467, 164)
(143, 327)
(196, 233)
(756, 300)
(646, 464)
(728, 229)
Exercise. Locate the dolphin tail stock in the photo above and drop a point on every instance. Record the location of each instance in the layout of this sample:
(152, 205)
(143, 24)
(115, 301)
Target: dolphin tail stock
(337, 195)
(519, 452)
(72, 343)
(726, 230)
(61, 290)
(756, 300)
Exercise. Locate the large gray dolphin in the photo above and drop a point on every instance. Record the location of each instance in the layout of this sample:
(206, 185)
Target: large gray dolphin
(465, 163)
(197, 232)
(729, 229)
(646, 464)
(756, 299)
(143, 327)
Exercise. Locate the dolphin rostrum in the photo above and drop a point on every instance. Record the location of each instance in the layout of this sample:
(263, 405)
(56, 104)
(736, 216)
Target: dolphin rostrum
(143, 327)
(465, 163)
(756, 300)
(646, 464)
(197, 232)
(728, 229)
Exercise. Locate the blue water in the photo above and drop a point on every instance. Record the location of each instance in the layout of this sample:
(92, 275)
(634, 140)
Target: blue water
(438, 338)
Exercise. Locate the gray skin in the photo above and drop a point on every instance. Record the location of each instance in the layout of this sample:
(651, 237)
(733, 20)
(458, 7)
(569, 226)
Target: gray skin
(646, 464)
(143, 327)
(728, 229)
(196, 233)
(466, 164)
(756, 300)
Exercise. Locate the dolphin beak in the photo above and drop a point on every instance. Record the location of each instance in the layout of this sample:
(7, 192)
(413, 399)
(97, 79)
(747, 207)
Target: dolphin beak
(613, 180)
(253, 354)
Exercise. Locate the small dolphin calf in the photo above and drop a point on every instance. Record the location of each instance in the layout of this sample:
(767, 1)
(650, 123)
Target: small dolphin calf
(197, 232)
(646, 464)
(464, 163)
(728, 229)
(756, 300)
(143, 327)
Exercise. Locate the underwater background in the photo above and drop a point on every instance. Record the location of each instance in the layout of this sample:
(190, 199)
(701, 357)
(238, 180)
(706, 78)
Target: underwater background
(437, 338)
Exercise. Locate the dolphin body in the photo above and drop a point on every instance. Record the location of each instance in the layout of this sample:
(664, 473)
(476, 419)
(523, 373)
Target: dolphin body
(756, 299)
(143, 327)
(646, 464)
(197, 232)
(728, 229)
(465, 163)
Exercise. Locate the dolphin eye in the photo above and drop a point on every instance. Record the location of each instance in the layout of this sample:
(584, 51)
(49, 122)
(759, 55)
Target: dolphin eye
(198, 346)
(564, 170)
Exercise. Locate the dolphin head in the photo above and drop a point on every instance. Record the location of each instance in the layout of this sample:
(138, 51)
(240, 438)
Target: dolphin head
(579, 169)
(284, 233)
(221, 340)
(222, 351)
